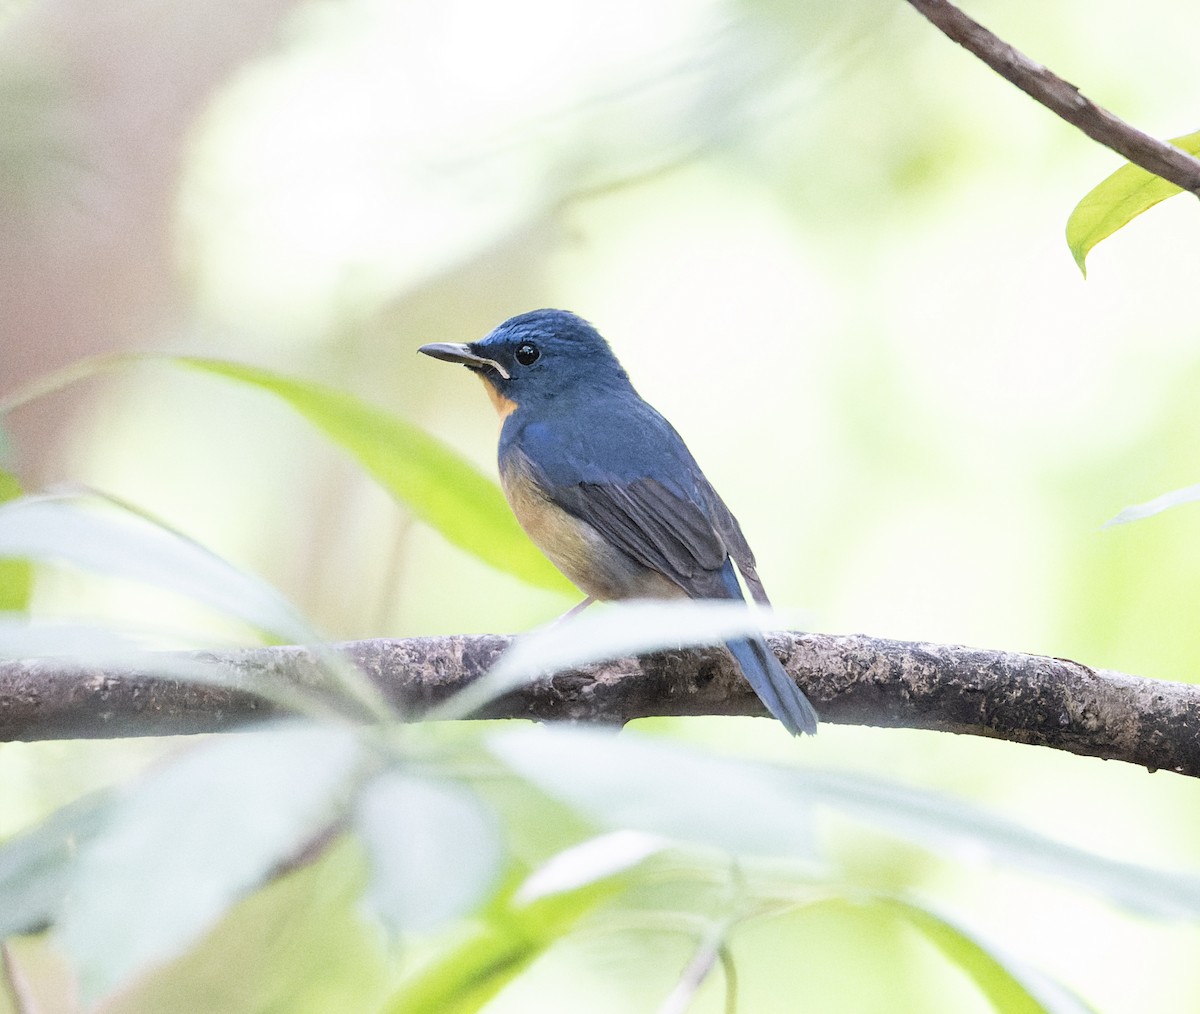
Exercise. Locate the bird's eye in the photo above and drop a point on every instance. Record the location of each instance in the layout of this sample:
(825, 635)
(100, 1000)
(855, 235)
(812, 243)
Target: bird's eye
(527, 353)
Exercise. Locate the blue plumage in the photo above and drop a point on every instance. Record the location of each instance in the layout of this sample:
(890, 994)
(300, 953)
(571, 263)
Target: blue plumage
(763, 671)
(607, 488)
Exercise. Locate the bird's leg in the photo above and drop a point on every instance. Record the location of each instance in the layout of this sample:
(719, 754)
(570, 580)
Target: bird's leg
(575, 609)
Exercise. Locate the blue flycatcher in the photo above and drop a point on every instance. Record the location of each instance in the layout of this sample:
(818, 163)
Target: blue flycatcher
(607, 489)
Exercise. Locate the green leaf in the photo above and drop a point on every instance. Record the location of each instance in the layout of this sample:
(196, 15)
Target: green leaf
(1118, 200)
(662, 788)
(948, 824)
(659, 787)
(436, 483)
(120, 544)
(36, 865)
(1009, 985)
(298, 946)
(16, 576)
(434, 850)
(1189, 494)
(589, 862)
(516, 932)
(183, 845)
(129, 544)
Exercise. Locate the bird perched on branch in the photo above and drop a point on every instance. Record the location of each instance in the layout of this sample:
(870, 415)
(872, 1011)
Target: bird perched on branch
(607, 489)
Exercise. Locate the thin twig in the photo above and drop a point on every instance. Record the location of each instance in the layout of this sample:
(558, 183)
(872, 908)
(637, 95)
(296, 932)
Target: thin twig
(711, 948)
(1061, 97)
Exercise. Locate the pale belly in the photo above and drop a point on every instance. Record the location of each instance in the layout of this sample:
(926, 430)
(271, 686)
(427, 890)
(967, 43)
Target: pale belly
(578, 550)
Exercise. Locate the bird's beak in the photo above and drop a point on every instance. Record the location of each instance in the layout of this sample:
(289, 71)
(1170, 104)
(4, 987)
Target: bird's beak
(451, 353)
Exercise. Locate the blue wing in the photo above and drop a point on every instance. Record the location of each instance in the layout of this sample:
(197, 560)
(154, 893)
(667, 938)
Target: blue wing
(629, 475)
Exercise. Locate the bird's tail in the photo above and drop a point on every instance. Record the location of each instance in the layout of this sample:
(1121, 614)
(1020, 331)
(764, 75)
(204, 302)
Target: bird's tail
(773, 685)
(763, 671)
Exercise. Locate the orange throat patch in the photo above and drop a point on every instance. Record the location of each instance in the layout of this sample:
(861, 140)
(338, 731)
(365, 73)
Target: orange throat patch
(504, 406)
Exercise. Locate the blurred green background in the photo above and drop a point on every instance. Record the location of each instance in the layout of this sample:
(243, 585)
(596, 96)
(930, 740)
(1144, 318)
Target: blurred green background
(825, 242)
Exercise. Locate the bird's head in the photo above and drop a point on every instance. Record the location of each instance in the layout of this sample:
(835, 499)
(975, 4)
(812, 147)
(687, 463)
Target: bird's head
(536, 357)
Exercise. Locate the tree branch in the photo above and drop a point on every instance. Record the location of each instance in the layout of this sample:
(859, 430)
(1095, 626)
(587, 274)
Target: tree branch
(851, 679)
(1061, 97)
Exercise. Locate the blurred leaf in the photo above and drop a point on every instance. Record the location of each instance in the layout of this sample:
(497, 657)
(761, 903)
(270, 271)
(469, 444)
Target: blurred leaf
(186, 842)
(94, 647)
(298, 946)
(954, 827)
(1010, 987)
(436, 483)
(590, 861)
(1188, 494)
(36, 865)
(122, 545)
(16, 576)
(659, 787)
(22, 638)
(433, 846)
(127, 543)
(610, 631)
(513, 934)
(1118, 200)
(662, 788)
(470, 975)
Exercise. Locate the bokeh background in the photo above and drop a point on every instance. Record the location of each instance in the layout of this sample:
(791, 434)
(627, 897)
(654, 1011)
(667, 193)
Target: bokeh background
(825, 242)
